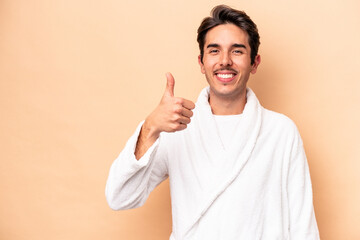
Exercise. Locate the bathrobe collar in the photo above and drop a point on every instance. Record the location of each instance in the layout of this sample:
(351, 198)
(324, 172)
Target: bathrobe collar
(242, 145)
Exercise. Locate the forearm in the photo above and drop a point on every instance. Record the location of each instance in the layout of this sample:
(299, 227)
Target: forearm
(147, 137)
(130, 181)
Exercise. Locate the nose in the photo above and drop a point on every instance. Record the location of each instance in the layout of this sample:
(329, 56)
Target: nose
(225, 60)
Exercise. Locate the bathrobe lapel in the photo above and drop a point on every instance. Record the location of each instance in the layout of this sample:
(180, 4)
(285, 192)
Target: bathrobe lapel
(240, 149)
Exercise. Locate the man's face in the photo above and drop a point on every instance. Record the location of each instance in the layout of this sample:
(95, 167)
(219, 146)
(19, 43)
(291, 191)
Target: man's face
(226, 61)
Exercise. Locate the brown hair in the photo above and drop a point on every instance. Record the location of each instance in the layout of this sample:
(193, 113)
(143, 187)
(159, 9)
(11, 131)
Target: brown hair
(223, 14)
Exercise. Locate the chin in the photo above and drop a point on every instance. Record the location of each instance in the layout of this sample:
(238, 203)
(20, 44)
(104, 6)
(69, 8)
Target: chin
(228, 90)
(224, 92)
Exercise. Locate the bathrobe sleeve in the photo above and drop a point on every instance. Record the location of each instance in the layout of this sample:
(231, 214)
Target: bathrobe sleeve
(130, 181)
(303, 224)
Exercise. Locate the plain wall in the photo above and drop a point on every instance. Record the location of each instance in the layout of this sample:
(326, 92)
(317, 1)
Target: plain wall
(76, 77)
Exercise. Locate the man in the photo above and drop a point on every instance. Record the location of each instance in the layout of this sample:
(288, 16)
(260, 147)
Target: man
(236, 170)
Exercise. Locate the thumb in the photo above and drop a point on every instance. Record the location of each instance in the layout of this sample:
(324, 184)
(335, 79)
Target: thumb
(170, 84)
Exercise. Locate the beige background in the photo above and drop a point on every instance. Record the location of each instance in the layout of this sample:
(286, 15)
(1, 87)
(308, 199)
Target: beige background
(76, 77)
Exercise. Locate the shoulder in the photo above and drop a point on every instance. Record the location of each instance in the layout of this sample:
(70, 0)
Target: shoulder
(278, 123)
(275, 118)
(280, 130)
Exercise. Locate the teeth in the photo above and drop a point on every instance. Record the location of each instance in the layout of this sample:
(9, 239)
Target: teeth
(225, 75)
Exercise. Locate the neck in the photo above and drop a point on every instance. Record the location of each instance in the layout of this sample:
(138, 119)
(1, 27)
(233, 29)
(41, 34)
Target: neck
(227, 105)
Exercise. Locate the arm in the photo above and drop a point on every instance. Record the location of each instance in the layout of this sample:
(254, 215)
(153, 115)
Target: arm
(142, 165)
(130, 181)
(301, 210)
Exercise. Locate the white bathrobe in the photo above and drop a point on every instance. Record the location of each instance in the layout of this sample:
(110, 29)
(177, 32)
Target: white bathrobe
(259, 187)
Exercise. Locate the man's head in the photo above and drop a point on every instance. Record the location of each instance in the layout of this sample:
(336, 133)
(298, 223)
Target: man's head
(229, 43)
(224, 15)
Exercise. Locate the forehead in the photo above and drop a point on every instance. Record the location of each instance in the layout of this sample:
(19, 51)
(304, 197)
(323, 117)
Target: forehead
(226, 34)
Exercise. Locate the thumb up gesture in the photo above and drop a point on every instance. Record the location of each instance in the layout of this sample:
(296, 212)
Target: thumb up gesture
(173, 113)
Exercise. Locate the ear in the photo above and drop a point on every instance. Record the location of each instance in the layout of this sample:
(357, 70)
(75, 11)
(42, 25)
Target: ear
(256, 64)
(201, 65)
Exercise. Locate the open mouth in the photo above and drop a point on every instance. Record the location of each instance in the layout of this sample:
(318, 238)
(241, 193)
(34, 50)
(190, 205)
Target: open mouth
(225, 77)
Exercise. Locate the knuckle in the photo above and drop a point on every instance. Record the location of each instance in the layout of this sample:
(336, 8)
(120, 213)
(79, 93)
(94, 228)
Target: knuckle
(175, 127)
(179, 100)
(176, 118)
(177, 109)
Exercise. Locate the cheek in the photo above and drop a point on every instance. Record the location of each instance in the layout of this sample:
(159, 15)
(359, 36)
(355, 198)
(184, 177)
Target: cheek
(243, 66)
(208, 64)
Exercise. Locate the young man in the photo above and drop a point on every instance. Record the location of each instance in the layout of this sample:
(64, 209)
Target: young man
(236, 170)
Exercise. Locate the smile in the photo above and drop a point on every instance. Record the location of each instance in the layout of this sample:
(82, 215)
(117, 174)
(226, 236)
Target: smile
(225, 77)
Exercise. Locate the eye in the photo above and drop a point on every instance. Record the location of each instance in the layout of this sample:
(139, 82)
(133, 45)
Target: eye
(237, 52)
(214, 51)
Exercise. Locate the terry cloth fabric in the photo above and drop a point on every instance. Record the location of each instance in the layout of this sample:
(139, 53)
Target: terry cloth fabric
(258, 187)
(226, 125)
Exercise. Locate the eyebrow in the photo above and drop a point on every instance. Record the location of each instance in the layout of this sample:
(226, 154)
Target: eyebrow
(235, 45)
(213, 45)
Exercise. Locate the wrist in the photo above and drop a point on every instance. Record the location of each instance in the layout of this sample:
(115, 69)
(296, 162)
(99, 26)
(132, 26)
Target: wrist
(149, 130)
